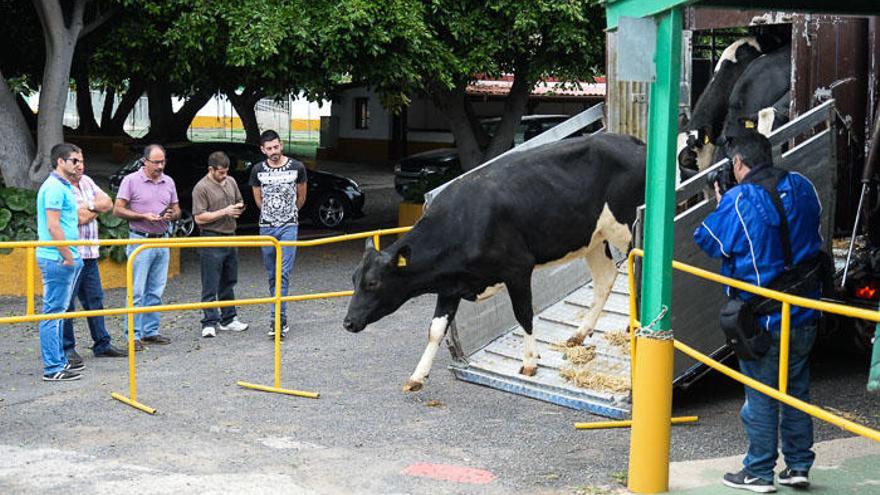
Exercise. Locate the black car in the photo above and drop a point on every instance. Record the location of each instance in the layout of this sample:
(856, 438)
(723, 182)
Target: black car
(417, 174)
(331, 200)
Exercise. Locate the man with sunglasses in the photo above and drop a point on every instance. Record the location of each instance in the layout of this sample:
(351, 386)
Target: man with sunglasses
(147, 198)
(766, 232)
(59, 266)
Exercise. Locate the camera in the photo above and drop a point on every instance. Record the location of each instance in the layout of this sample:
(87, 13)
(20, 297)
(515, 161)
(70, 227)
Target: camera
(723, 176)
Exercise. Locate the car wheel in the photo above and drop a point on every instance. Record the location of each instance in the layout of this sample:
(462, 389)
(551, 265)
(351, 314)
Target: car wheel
(332, 211)
(183, 226)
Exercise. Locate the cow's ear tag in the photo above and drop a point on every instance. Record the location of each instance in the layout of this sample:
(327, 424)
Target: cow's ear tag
(749, 124)
(401, 261)
(706, 139)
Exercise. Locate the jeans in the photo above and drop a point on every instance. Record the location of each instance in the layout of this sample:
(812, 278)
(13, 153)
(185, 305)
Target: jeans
(763, 418)
(91, 296)
(150, 273)
(58, 281)
(288, 254)
(219, 276)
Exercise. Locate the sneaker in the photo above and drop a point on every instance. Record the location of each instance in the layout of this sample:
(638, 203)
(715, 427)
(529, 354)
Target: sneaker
(209, 332)
(62, 376)
(284, 330)
(73, 357)
(234, 326)
(74, 366)
(795, 478)
(745, 481)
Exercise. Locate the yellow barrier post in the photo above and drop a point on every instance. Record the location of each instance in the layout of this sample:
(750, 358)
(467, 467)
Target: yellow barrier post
(784, 346)
(376, 242)
(30, 275)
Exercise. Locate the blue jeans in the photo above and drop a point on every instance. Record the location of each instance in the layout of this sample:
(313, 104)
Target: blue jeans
(150, 273)
(288, 254)
(763, 418)
(219, 276)
(91, 296)
(58, 281)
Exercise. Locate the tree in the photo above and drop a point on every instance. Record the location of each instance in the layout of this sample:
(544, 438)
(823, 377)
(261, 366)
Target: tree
(438, 47)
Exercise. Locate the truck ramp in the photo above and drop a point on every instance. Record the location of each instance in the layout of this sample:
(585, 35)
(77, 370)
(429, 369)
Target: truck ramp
(486, 342)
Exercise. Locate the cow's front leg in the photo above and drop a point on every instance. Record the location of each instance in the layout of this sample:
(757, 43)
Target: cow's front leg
(521, 298)
(443, 316)
(604, 271)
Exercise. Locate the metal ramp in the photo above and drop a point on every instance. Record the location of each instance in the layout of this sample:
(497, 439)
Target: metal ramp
(486, 342)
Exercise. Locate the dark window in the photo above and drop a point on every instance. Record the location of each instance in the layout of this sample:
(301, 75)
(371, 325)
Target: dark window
(361, 113)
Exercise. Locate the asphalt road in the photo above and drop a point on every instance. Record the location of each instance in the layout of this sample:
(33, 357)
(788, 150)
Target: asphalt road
(211, 436)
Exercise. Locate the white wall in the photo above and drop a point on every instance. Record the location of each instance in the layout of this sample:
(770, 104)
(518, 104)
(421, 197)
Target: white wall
(380, 120)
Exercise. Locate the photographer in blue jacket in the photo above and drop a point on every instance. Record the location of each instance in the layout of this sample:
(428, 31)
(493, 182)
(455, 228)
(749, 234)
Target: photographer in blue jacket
(761, 247)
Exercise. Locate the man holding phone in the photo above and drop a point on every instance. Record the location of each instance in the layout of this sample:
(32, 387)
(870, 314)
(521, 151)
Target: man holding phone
(217, 203)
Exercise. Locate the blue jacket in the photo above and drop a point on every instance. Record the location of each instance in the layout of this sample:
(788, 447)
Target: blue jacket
(744, 232)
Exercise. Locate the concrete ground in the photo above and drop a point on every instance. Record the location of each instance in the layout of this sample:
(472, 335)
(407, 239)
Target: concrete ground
(363, 435)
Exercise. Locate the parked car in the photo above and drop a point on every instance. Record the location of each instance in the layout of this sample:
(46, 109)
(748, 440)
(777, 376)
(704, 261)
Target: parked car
(417, 174)
(331, 201)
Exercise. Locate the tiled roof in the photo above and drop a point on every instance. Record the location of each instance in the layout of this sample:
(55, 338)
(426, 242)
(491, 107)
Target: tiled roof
(549, 89)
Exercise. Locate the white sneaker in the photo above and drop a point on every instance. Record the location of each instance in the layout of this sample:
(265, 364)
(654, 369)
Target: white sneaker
(284, 330)
(209, 332)
(234, 326)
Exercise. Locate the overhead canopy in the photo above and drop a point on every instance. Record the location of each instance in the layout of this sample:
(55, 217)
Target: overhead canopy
(641, 8)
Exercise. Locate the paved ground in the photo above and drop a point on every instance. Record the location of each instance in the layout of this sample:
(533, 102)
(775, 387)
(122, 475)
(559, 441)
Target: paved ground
(363, 435)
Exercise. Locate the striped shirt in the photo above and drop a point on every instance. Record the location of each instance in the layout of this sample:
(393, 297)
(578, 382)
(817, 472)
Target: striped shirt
(86, 191)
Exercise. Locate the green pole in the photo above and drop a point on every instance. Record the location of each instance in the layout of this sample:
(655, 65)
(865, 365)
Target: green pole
(874, 373)
(652, 378)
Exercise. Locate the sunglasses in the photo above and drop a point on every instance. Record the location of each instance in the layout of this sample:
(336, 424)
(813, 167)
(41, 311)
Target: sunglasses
(76, 161)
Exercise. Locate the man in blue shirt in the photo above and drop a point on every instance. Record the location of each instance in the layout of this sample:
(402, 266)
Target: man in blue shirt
(59, 266)
(745, 231)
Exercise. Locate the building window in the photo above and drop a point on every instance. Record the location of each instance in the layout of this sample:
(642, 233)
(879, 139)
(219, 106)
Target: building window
(361, 113)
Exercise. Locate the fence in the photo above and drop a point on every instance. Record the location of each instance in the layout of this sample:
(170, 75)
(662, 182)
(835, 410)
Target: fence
(241, 241)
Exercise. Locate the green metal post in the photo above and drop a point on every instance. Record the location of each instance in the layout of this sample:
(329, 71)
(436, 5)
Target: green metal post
(652, 379)
(874, 371)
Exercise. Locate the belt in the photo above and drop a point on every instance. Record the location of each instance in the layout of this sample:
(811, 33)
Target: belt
(215, 233)
(149, 235)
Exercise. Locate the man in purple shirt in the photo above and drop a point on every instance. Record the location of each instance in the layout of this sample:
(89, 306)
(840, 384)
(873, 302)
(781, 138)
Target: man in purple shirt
(147, 198)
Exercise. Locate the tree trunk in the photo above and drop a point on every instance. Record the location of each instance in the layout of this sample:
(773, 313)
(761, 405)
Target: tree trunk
(87, 122)
(182, 119)
(16, 143)
(29, 116)
(245, 105)
(514, 107)
(116, 125)
(166, 125)
(107, 108)
(452, 103)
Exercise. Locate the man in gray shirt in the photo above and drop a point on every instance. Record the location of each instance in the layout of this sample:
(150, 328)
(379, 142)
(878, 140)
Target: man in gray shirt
(217, 203)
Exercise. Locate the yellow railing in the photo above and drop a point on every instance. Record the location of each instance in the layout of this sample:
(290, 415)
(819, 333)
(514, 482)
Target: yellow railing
(787, 302)
(130, 311)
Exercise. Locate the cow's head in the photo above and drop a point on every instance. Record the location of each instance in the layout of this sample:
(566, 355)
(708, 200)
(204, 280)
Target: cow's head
(695, 148)
(380, 286)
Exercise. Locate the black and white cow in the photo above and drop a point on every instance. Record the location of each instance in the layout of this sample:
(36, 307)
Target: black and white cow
(765, 84)
(696, 141)
(559, 201)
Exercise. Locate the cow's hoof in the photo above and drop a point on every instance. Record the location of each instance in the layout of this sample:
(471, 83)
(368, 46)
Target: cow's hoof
(574, 341)
(528, 370)
(412, 386)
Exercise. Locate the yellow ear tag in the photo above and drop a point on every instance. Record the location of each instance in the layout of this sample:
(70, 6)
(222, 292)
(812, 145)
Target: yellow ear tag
(401, 261)
(706, 139)
(749, 124)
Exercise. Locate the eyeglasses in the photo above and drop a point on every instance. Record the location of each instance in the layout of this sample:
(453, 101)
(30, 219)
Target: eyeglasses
(157, 162)
(76, 161)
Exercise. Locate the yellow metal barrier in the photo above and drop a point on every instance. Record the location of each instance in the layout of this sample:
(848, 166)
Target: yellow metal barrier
(787, 301)
(130, 311)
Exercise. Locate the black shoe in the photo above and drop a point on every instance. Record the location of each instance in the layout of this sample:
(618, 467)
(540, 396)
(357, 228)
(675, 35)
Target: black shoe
(73, 357)
(62, 376)
(795, 478)
(111, 351)
(157, 339)
(745, 481)
(74, 367)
